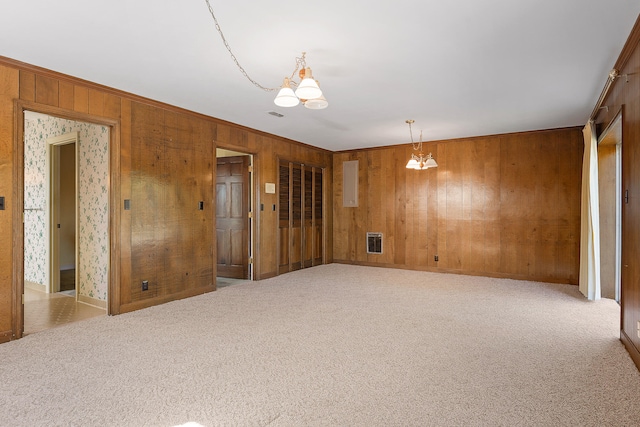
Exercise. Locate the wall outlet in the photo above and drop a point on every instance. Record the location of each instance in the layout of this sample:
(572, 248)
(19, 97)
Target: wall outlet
(145, 285)
(638, 332)
(435, 258)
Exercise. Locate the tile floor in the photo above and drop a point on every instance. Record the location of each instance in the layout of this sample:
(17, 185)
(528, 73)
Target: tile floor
(43, 311)
(222, 282)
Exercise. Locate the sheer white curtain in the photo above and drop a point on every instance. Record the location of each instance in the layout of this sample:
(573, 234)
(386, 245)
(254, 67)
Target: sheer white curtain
(590, 217)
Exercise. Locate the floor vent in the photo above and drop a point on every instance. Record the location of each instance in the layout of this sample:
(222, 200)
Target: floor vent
(374, 243)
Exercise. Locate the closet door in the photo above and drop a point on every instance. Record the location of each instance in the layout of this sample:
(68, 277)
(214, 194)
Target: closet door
(284, 214)
(308, 227)
(318, 235)
(300, 236)
(296, 228)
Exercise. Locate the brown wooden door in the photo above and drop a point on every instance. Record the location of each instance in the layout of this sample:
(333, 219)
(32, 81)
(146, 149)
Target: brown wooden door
(232, 216)
(300, 238)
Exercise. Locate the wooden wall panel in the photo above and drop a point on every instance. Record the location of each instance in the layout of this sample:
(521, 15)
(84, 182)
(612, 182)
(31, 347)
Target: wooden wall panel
(27, 86)
(625, 95)
(147, 124)
(494, 206)
(165, 161)
(80, 99)
(125, 215)
(46, 91)
(204, 226)
(9, 89)
(96, 102)
(66, 96)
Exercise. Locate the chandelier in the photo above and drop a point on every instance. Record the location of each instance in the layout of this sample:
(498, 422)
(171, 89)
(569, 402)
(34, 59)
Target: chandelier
(307, 88)
(419, 161)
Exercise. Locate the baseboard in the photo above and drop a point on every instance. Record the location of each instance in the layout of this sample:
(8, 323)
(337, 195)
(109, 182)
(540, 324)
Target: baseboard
(137, 305)
(35, 286)
(454, 271)
(5, 336)
(93, 301)
(631, 349)
(268, 275)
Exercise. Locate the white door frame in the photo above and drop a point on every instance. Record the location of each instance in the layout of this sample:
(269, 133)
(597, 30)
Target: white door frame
(52, 208)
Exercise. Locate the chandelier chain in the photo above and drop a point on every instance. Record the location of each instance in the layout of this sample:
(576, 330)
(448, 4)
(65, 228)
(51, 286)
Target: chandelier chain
(417, 146)
(242, 70)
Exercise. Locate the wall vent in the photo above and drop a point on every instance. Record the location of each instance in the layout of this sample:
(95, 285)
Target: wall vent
(374, 243)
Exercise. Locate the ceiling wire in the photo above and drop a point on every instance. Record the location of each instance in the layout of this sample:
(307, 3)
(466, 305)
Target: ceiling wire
(300, 62)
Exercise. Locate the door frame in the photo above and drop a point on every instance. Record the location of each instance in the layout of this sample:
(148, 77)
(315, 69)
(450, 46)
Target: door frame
(53, 213)
(253, 214)
(114, 125)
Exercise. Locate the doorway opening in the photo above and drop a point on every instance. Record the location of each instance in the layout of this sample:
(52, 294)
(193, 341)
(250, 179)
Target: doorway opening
(610, 194)
(66, 221)
(234, 217)
(61, 208)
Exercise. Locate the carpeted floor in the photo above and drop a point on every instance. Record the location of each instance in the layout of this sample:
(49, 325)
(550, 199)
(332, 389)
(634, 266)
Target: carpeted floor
(334, 345)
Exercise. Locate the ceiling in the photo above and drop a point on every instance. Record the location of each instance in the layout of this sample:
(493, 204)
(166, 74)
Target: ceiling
(458, 68)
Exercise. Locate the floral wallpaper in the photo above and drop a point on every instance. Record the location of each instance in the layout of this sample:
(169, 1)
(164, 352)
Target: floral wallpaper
(93, 207)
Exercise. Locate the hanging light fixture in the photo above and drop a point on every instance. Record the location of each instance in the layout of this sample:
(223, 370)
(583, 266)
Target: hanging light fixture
(419, 161)
(307, 89)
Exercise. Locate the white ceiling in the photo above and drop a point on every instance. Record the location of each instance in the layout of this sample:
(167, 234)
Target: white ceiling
(458, 67)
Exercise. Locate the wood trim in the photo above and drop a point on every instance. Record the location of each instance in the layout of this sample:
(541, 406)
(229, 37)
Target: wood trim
(617, 116)
(633, 351)
(44, 72)
(17, 222)
(453, 140)
(629, 47)
(150, 302)
(65, 114)
(267, 275)
(256, 267)
(5, 336)
(93, 302)
(627, 51)
(454, 271)
(113, 304)
(115, 188)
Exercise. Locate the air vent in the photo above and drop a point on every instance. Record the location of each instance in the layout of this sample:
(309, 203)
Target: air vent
(374, 243)
(276, 114)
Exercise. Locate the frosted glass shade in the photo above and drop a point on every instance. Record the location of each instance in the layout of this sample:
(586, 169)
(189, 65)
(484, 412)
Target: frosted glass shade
(413, 164)
(316, 103)
(286, 97)
(308, 88)
(430, 163)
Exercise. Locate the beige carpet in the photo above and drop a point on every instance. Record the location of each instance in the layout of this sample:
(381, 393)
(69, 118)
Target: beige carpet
(334, 345)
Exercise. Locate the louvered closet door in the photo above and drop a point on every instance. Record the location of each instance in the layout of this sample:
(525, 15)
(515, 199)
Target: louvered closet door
(318, 235)
(284, 197)
(300, 238)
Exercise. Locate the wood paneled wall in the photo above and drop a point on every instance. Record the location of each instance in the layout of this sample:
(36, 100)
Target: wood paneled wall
(163, 162)
(9, 90)
(505, 206)
(625, 95)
